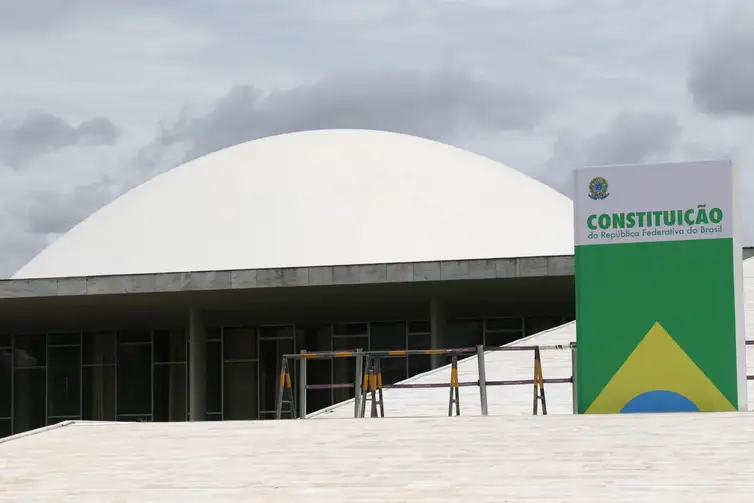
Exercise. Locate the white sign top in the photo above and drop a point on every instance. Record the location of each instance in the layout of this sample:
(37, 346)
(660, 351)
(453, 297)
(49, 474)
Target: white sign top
(655, 202)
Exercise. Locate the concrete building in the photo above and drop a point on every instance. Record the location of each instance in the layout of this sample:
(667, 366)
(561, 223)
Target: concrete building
(176, 301)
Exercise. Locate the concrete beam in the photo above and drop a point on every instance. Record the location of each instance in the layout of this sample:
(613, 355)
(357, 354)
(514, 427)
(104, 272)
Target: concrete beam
(409, 272)
(292, 277)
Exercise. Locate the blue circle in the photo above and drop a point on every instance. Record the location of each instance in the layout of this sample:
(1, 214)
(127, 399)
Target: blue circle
(659, 401)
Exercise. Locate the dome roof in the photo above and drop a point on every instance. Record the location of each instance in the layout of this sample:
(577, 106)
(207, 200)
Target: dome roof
(329, 197)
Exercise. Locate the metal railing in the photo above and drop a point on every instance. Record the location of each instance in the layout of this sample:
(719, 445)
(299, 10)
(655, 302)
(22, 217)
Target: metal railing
(363, 384)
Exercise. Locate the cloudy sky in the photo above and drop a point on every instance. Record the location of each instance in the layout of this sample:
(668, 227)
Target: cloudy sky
(99, 96)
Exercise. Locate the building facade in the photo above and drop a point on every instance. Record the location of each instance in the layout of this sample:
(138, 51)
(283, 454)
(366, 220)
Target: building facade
(144, 375)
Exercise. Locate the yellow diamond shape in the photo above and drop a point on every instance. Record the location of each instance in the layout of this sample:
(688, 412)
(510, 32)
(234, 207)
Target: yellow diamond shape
(659, 363)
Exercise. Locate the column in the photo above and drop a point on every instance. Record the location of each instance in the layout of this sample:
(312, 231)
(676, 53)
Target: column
(438, 326)
(197, 367)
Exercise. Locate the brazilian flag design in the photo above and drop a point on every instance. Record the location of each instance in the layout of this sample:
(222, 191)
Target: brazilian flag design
(656, 331)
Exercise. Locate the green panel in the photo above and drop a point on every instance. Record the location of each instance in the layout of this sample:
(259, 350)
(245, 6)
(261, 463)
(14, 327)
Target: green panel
(622, 290)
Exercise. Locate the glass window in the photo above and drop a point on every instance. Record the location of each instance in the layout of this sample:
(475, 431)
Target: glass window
(388, 337)
(315, 338)
(504, 324)
(418, 364)
(214, 378)
(31, 350)
(63, 339)
(240, 390)
(419, 327)
(6, 368)
(213, 334)
(170, 346)
(271, 352)
(280, 331)
(64, 381)
(134, 336)
(344, 369)
(98, 393)
(350, 329)
(464, 334)
(239, 343)
(536, 324)
(169, 392)
(6, 341)
(99, 348)
(29, 399)
(135, 379)
(495, 339)
(5, 428)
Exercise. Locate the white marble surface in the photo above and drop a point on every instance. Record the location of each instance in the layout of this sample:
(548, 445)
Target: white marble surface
(560, 458)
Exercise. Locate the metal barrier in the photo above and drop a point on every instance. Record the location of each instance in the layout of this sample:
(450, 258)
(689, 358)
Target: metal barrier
(373, 384)
(368, 385)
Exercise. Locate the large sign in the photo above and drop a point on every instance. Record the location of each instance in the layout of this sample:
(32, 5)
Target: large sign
(659, 300)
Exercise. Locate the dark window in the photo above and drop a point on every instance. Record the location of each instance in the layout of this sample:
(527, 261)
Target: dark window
(494, 339)
(64, 381)
(29, 399)
(31, 350)
(536, 324)
(240, 390)
(98, 393)
(134, 336)
(239, 344)
(315, 338)
(64, 339)
(418, 364)
(419, 327)
(214, 334)
(170, 392)
(135, 379)
(99, 348)
(6, 341)
(350, 329)
(5, 428)
(170, 346)
(464, 333)
(271, 352)
(344, 369)
(276, 332)
(214, 378)
(389, 337)
(6, 369)
(504, 324)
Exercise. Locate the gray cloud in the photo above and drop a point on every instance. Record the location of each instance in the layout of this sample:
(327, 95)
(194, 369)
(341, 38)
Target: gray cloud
(40, 134)
(50, 212)
(440, 105)
(632, 137)
(721, 76)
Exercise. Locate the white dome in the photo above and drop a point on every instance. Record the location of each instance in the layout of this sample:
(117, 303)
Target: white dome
(331, 197)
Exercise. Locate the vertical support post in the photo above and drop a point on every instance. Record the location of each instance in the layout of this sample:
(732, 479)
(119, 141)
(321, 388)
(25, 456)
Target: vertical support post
(482, 378)
(454, 393)
(357, 384)
(197, 346)
(574, 382)
(302, 387)
(437, 323)
(281, 388)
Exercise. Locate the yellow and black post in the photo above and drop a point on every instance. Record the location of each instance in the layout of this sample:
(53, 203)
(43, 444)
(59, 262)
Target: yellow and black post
(455, 397)
(372, 388)
(539, 383)
(285, 392)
